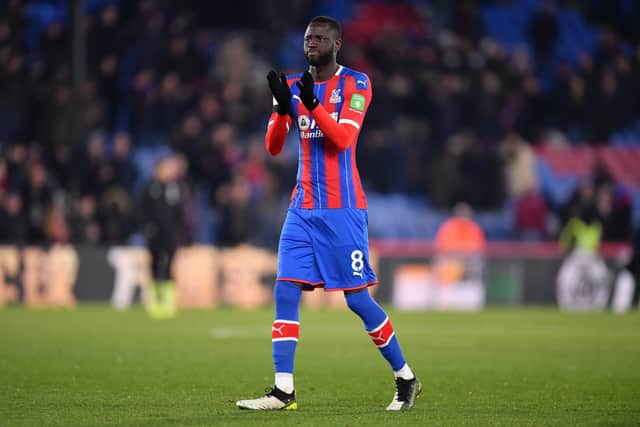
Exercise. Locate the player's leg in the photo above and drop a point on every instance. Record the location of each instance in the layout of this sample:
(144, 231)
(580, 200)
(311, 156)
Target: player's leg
(284, 332)
(163, 289)
(379, 327)
(167, 287)
(296, 262)
(284, 339)
(153, 306)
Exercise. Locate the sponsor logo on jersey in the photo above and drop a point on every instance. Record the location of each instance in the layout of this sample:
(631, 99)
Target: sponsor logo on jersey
(357, 102)
(309, 128)
(303, 122)
(361, 84)
(316, 133)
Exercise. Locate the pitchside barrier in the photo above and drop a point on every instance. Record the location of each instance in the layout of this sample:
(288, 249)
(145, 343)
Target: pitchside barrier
(413, 276)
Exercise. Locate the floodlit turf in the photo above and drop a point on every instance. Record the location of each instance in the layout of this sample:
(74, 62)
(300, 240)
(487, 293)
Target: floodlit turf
(521, 367)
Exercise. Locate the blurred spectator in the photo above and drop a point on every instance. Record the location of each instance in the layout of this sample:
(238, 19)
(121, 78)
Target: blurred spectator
(104, 38)
(483, 176)
(83, 221)
(581, 203)
(467, 22)
(444, 177)
(188, 139)
(460, 234)
(519, 162)
(582, 233)
(123, 171)
(615, 215)
(376, 154)
(116, 216)
(144, 104)
(544, 30)
(37, 196)
(238, 213)
(17, 165)
(522, 184)
(13, 222)
(108, 88)
(92, 173)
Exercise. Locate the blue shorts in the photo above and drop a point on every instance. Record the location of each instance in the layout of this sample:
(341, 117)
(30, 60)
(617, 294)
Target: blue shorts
(326, 248)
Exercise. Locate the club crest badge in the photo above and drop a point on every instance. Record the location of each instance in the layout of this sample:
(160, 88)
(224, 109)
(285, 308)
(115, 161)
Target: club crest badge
(335, 96)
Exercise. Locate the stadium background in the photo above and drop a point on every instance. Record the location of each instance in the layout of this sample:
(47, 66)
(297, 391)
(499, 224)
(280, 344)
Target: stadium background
(526, 110)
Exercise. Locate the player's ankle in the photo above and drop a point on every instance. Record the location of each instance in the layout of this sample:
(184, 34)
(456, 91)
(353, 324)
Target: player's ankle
(284, 382)
(405, 373)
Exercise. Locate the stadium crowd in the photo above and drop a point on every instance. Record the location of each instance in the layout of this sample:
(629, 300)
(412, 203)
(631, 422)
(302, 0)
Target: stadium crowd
(456, 115)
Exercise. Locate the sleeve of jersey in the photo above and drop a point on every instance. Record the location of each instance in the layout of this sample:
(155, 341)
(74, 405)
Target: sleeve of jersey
(343, 134)
(277, 130)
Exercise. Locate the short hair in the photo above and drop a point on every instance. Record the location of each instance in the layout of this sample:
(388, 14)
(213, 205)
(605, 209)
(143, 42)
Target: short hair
(331, 22)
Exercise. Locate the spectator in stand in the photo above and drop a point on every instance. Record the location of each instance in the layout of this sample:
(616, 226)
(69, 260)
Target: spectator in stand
(614, 213)
(17, 166)
(173, 101)
(123, 171)
(377, 154)
(444, 176)
(581, 202)
(570, 110)
(108, 88)
(83, 222)
(608, 112)
(238, 213)
(144, 102)
(188, 139)
(93, 173)
(13, 222)
(522, 185)
(116, 216)
(37, 195)
(460, 234)
(544, 30)
(467, 22)
(104, 38)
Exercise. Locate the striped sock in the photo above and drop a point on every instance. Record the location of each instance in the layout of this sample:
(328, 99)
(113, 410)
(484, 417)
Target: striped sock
(378, 326)
(285, 329)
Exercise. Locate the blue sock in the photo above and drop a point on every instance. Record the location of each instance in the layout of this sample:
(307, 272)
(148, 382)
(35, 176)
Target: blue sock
(286, 326)
(378, 326)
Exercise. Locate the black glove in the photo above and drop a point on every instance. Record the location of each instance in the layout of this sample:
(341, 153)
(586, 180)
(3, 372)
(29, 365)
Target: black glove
(281, 91)
(305, 84)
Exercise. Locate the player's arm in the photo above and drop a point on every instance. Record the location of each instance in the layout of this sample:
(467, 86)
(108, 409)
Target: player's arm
(280, 119)
(277, 130)
(342, 134)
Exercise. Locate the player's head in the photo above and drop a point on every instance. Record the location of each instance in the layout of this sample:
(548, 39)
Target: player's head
(322, 40)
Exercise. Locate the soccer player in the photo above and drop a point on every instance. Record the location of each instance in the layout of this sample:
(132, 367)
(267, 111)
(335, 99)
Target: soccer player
(324, 239)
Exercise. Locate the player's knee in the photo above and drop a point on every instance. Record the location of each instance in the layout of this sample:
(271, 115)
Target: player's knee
(287, 293)
(357, 301)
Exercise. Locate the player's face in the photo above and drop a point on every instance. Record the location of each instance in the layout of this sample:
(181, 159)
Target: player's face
(320, 44)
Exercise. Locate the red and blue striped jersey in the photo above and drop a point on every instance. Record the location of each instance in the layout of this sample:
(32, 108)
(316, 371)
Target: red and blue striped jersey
(327, 172)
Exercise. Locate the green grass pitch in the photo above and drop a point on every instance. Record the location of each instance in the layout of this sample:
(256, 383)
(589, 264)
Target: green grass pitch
(93, 366)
